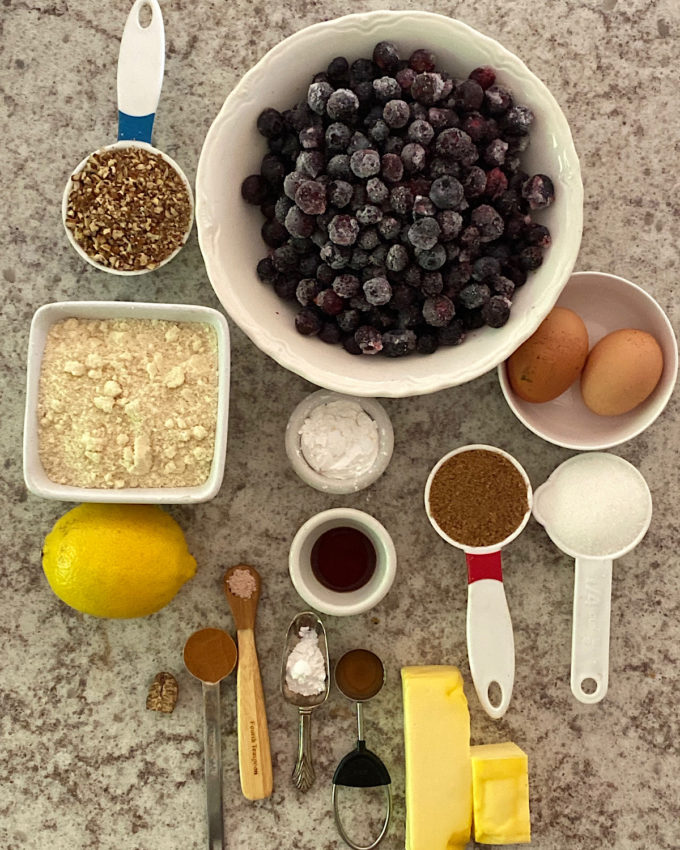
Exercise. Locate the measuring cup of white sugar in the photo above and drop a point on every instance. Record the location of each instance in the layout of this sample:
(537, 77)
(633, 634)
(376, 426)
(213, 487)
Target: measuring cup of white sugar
(339, 443)
(595, 507)
(128, 208)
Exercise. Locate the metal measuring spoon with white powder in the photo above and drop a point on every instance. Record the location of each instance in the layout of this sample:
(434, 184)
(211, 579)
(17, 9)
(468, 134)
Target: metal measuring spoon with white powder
(595, 507)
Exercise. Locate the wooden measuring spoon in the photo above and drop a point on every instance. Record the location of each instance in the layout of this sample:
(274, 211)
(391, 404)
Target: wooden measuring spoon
(242, 589)
(210, 656)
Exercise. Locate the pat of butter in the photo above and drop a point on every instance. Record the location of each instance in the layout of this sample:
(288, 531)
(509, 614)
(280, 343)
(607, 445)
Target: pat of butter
(500, 792)
(437, 754)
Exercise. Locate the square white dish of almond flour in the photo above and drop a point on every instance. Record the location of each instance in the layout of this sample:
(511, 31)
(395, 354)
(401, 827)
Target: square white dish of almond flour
(126, 402)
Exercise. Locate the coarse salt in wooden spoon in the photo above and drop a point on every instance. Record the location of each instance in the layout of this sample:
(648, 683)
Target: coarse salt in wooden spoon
(242, 589)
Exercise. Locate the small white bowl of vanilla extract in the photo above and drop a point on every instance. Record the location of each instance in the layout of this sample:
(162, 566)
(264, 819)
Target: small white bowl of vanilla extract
(342, 562)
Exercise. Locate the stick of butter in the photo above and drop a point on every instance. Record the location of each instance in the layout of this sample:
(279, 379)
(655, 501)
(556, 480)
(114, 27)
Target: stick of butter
(500, 792)
(437, 754)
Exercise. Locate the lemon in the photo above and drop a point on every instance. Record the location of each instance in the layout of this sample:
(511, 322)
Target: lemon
(117, 560)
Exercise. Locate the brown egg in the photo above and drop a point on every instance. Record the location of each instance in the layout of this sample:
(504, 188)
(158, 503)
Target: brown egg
(548, 363)
(621, 372)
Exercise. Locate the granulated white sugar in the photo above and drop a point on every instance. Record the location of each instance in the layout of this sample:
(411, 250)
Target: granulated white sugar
(595, 505)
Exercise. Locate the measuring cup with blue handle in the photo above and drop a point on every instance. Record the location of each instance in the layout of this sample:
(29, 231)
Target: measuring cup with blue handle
(141, 63)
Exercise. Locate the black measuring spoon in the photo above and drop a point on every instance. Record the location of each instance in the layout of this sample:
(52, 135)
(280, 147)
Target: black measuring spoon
(359, 676)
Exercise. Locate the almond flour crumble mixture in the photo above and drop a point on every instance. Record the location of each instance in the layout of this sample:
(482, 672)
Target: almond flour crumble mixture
(128, 403)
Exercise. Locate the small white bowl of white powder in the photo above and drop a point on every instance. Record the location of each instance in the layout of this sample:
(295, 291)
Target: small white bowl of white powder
(339, 443)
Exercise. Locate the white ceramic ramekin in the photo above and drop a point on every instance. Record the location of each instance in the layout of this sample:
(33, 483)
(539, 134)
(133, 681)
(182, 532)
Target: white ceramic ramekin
(329, 601)
(34, 474)
(326, 483)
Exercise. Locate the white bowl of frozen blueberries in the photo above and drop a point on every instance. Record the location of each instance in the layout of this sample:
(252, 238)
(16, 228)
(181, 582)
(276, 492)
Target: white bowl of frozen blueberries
(389, 203)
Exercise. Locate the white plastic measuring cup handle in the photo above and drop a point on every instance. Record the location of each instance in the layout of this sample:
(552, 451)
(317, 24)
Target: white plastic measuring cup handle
(590, 630)
(141, 63)
(490, 640)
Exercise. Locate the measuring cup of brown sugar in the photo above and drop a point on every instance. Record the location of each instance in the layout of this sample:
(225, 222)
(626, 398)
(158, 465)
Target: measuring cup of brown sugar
(478, 498)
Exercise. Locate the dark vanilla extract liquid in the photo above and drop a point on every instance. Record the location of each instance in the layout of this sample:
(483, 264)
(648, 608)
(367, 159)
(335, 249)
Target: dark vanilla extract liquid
(343, 559)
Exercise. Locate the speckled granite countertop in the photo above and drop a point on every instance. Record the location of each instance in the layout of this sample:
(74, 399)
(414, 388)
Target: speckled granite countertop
(82, 763)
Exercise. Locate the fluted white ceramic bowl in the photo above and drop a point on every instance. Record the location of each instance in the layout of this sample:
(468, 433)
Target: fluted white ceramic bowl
(229, 229)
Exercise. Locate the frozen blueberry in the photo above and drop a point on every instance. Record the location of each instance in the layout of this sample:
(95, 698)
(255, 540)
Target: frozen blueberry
(539, 191)
(517, 120)
(420, 131)
(495, 152)
(254, 189)
(396, 113)
(386, 55)
(299, 224)
(397, 258)
(376, 191)
(438, 310)
(283, 204)
(389, 227)
(497, 100)
(310, 196)
(338, 70)
(308, 322)
(413, 157)
(378, 131)
(485, 267)
(440, 165)
(386, 88)
(317, 96)
(330, 333)
(365, 163)
(452, 334)
(337, 137)
(496, 183)
(398, 343)
(377, 291)
(427, 342)
(348, 320)
(427, 88)
(433, 283)
(537, 234)
(274, 233)
(343, 230)
(346, 285)
(391, 167)
(531, 258)
(336, 256)
(474, 295)
(502, 285)
(431, 259)
(455, 143)
(359, 197)
(330, 302)
(273, 170)
(405, 78)
(496, 311)
(362, 70)
(484, 75)
(474, 182)
(440, 117)
(469, 95)
(476, 126)
(339, 193)
(270, 123)
(422, 60)
(307, 290)
(343, 105)
(368, 238)
(424, 233)
(401, 199)
(325, 275)
(488, 222)
(446, 193)
(450, 223)
(338, 167)
(266, 270)
(358, 142)
(368, 214)
(369, 339)
(423, 206)
(310, 163)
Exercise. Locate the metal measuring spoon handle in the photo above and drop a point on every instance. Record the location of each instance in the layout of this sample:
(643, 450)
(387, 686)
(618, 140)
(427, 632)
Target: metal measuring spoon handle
(303, 772)
(141, 62)
(213, 765)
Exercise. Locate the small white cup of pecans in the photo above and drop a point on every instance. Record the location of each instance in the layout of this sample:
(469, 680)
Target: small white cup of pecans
(128, 208)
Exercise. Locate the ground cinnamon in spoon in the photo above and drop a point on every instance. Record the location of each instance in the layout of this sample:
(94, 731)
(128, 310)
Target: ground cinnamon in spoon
(478, 497)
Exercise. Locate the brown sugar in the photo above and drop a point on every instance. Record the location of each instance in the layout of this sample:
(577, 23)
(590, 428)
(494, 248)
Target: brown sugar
(478, 497)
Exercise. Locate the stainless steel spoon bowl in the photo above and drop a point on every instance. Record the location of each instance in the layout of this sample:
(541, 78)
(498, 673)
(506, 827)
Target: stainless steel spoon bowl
(303, 773)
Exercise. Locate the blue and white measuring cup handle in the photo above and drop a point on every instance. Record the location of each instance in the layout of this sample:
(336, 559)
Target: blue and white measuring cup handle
(141, 63)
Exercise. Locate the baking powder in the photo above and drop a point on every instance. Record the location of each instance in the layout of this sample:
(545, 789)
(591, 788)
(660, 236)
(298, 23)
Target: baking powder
(339, 440)
(305, 667)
